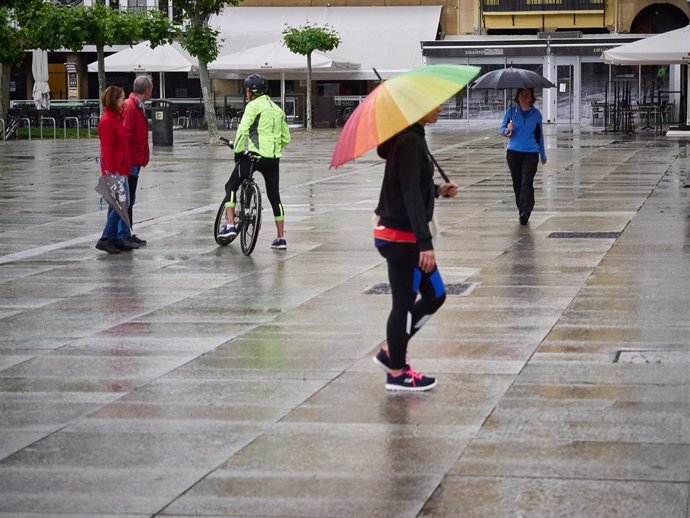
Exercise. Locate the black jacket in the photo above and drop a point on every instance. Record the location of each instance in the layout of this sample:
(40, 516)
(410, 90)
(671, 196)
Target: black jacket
(408, 191)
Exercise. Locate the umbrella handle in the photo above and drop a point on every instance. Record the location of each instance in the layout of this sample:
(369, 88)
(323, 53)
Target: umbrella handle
(440, 170)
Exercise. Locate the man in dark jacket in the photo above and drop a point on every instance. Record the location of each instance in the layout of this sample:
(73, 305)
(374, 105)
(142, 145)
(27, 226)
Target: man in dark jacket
(402, 236)
(137, 128)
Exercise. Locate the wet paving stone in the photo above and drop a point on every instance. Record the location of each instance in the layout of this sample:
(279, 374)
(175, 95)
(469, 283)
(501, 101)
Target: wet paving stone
(185, 379)
(499, 496)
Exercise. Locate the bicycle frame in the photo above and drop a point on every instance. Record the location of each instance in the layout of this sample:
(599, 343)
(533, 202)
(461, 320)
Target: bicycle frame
(248, 217)
(243, 191)
(247, 212)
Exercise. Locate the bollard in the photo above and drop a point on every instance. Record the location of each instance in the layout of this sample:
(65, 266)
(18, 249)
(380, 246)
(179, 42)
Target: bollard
(28, 121)
(92, 117)
(75, 119)
(54, 126)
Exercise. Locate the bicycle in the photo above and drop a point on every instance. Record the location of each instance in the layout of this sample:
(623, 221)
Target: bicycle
(247, 212)
(12, 128)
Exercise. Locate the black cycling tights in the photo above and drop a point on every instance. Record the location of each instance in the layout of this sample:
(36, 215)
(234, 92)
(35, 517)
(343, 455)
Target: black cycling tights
(269, 168)
(408, 314)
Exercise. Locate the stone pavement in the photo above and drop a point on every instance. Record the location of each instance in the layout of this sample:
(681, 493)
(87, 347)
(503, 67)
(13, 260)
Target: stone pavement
(184, 379)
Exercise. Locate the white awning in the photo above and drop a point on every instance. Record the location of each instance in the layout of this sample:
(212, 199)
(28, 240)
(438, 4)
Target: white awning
(143, 58)
(667, 48)
(274, 57)
(386, 38)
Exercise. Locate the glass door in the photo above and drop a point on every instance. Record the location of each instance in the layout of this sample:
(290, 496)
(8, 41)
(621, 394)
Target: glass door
(567, 92)
(564, 94)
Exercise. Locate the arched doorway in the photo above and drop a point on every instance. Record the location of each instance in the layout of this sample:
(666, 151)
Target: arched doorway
(658, 18)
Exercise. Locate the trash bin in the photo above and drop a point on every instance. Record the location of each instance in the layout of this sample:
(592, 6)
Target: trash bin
(161, 122)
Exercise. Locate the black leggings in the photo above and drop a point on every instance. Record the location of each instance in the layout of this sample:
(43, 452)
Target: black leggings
(523, 167)
(408, 314)
(270, 169)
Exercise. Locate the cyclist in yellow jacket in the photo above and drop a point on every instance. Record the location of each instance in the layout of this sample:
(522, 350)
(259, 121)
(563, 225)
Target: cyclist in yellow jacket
(261, 137)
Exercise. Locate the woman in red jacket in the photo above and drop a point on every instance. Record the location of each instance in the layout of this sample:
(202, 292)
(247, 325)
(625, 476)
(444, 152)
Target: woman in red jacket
(114, 153)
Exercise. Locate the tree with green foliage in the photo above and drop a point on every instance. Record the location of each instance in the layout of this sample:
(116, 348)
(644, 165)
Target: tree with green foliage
(12, 49)
(74, 27)
(306, 39)
(201, 41)
(15, 40)
(37, 24)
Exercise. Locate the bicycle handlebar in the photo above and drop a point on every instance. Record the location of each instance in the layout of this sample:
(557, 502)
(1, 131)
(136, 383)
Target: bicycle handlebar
(228, 143)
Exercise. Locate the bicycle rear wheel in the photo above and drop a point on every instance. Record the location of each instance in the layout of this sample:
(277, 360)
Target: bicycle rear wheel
(251, 216)
(219, 224)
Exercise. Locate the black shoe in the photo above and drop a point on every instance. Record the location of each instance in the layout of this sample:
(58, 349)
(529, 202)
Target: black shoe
(131, 242)
(524, 218)
(107, 245)
(123, 244)
(383, 361)
(135, 239)
(409, 381)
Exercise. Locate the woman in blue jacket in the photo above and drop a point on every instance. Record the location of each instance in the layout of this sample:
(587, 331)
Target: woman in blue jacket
(522, 125)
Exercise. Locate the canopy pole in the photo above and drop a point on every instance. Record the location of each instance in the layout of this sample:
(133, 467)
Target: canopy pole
(639, 84)
(282, 89)
(687, 96)
(161, 88)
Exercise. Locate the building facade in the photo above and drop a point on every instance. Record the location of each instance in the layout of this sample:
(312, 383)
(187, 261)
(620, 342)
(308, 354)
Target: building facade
(562, 39)
(127, 5)
(462, 17)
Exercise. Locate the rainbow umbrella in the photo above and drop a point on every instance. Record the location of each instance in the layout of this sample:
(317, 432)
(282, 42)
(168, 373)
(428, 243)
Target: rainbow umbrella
(396, 104)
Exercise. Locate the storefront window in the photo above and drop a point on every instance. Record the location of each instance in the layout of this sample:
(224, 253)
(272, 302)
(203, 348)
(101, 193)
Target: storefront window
(484, 104)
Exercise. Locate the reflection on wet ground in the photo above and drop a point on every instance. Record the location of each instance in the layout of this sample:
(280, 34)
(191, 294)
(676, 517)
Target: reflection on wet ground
(188, 379)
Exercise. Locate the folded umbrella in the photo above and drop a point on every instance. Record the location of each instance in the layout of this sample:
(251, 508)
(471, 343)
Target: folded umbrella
(396, 104)
(114, 191)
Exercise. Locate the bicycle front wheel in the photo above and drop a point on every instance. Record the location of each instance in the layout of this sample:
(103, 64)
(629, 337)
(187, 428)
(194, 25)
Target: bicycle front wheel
(218, 226)
(251, 211)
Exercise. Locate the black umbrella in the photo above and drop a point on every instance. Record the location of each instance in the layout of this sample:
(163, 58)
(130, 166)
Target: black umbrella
(505, 78)
(114, 192)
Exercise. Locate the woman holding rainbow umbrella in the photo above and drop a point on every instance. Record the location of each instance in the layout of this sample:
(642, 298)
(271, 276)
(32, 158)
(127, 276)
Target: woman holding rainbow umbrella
(393, 118)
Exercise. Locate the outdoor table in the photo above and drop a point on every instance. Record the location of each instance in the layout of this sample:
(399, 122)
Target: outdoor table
(649, 110)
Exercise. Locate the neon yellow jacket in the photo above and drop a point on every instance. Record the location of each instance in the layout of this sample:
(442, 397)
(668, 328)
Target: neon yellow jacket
(263, 129)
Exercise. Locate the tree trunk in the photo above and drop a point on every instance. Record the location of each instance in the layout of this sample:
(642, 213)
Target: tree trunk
(4, 90)
(209, 108)
(101, 73)
(308, 108)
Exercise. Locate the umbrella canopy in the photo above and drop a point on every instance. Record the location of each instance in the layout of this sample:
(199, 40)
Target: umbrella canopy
(396, 104)
(276, 57)
(505, 78)
(112, 188)
(667, 48)
(39, 68)
(142, 58)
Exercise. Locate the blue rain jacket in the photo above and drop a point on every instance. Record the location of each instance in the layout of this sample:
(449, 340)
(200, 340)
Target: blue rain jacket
(528, 136)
